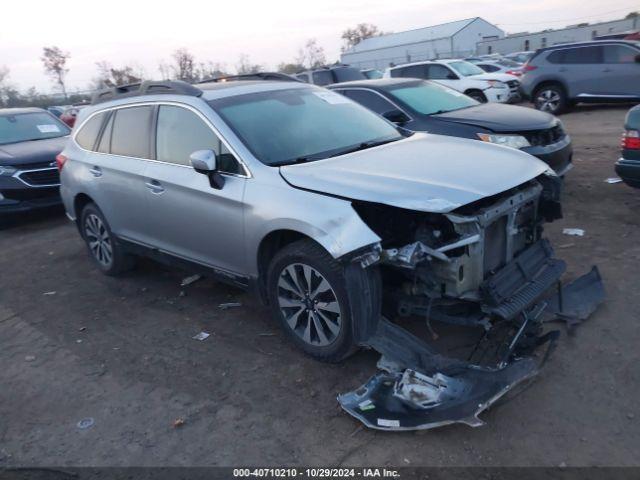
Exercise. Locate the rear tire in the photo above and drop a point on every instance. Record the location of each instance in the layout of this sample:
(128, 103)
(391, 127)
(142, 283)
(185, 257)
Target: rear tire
(551, 98)
(104, 249)
(311, 297)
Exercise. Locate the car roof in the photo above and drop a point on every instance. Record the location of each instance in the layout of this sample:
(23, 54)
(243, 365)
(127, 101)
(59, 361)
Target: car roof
(376, 84)
(424, 62)
(589, 44)
(18, 111)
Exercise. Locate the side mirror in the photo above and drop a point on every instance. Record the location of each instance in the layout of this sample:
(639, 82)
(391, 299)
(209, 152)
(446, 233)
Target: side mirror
(205, 162)
(396, 116)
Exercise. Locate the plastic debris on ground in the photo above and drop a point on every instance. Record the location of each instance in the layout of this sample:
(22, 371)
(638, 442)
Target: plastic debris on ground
(613, 180)
(575, 232)
(178, 422)
(224, 306)
(201, 336)
(49, 293)
(189, 280)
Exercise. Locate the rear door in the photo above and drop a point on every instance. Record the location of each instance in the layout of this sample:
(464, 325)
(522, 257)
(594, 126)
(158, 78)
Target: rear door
(581, 68)
(443, 75)
(186, 215)
(621, 72)
(116, 166)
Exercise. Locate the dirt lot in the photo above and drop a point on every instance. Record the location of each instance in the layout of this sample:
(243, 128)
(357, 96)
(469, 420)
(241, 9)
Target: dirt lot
(121, 351)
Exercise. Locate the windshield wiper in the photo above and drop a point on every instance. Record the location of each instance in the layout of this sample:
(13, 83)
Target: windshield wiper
(364, 146)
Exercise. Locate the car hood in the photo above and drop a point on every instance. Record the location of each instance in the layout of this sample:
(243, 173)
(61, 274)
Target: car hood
(500, 117)
(430, 173)
(34, 151)
(501, 77)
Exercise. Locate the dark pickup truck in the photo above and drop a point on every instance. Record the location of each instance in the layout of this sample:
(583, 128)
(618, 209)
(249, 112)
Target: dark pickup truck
(628, 167)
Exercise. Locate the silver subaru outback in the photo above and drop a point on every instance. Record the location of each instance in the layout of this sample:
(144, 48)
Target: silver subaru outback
(342, 222)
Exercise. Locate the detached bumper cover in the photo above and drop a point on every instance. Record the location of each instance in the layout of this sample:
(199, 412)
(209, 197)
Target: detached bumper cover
(419, 388)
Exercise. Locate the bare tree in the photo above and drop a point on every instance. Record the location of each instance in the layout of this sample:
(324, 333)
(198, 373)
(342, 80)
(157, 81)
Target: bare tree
(311, 55)
(110, 76)
(210, 70)
(184, 68)
(165, 70)
(290, 68)
(245, 66)
(55, 65)
(362, 31)
(4, 85)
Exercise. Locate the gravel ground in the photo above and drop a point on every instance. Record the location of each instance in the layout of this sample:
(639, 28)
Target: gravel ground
(120, 351)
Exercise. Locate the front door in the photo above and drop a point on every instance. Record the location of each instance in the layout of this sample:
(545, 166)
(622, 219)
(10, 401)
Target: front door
(186, 215)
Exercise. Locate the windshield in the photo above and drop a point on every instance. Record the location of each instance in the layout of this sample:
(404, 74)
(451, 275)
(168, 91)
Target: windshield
(430, 98)
(466, 69)
(23, 127)
(301, 124)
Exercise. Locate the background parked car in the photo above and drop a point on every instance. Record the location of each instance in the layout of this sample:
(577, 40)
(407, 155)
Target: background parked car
(500, 66)
(603, 71)
(419, 105)
(628, 167)
(70, 114)
(57, 110)
(520, 57)
(328, 75)
(30, 139)
(464, 77)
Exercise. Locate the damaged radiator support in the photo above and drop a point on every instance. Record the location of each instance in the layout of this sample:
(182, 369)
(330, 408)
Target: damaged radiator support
(419, 388)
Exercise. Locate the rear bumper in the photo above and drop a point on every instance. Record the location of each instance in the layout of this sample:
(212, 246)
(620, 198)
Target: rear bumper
(629, 171)
(558, 155)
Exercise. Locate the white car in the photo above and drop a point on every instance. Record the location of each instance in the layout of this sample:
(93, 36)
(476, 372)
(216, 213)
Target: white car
(464, 77)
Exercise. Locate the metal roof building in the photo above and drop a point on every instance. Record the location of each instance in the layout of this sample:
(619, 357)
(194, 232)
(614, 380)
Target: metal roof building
(453, 39)
(577, 33)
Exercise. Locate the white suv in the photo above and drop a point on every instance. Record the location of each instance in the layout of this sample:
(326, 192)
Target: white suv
(464, 77)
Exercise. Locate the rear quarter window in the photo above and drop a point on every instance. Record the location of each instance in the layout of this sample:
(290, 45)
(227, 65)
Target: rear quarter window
(88, 133)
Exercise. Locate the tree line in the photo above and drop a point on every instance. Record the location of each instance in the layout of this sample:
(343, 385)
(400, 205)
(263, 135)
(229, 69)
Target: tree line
(182, 65)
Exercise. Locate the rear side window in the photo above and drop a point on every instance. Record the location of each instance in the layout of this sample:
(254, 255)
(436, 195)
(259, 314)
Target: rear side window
(132, 132)
(582, 55)
(323, 77)
(619, 54)
(181, 132)
(488, 68)
(369, 99)
(414, 71)
(89, 132)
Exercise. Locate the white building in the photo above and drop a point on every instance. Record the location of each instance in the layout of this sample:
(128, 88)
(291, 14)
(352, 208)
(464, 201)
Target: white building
(453, 39)
(532, 41)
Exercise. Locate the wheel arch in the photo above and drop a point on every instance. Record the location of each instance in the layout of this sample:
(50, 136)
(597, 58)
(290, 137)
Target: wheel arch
(80, 201)
(548, 82)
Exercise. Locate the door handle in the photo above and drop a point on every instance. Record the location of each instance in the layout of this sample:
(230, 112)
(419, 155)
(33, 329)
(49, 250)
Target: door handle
(154, 186)
(96, 171)
(607, 70)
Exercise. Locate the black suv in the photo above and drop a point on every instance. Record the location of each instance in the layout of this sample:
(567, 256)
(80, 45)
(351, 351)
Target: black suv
(328, 75)
(30, 139)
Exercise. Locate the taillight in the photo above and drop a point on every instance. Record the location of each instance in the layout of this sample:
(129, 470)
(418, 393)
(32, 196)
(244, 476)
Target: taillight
(60, 161)
(527, 68)
(631, 140)
(517, 73)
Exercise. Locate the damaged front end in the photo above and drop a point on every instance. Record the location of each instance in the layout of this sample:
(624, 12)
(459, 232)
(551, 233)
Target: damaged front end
(483, 268)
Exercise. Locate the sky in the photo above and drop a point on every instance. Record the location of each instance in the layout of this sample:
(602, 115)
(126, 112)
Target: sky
(145, 33)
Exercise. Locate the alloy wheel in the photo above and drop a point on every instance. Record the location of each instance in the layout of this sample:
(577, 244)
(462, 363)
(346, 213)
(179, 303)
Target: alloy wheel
(309, 304)
(548, 100)
(98, 240)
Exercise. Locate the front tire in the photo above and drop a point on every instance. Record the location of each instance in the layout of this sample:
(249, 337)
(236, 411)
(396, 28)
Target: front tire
(103, 248)
(310, 296)
(551, 99)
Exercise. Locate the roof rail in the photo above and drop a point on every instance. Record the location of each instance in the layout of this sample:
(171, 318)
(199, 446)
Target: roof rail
(252, 76)
(148, 87)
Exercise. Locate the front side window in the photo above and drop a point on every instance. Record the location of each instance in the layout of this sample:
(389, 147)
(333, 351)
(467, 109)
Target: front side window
(430, 98)
(181, 132)
(131, 133)
(301, 124)
(369, 99)
(619, 54)
(88, 134)
(23, 127)
(440, 72)
(466, 69)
